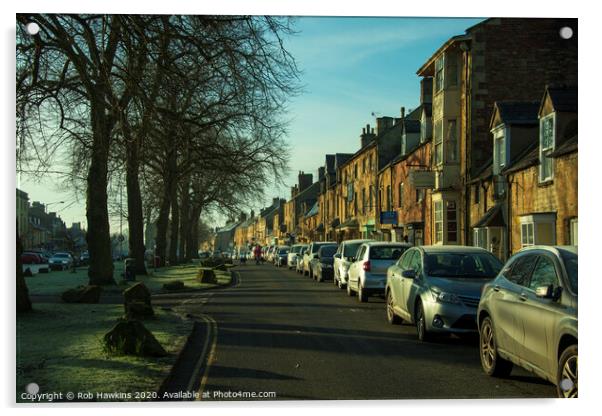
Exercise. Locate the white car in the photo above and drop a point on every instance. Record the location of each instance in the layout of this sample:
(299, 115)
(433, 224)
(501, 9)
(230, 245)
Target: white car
(342, 260)
(291, 260)
(368, 272)
(311, 253)
(60, 261)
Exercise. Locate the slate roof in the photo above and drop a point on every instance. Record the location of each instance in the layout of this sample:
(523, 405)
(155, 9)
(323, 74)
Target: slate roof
(564, 99)
(492, 218)
(518, 112)
(330, 163)
(530, 157)
(569, 146)
(411, 126)
(313, 210)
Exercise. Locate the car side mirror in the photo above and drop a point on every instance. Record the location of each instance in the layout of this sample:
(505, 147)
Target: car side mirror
(315, 256)
(409, 274)
(337, 256)
(546, 292)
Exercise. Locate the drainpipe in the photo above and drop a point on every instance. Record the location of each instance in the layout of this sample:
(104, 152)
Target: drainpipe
(467, 99)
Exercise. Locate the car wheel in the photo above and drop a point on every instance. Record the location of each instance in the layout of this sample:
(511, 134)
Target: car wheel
(341, 284)
(391, 317)
(349, 290)
(319, 277)
(567, 373)
(423, 334)
(361, 293)
(492, 363)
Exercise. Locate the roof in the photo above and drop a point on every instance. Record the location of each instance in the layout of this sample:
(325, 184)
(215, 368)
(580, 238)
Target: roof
(330, 163)
(411, 126)
(313, 210)
(530, 157)
(452, 249)
(569, 146)
(518, 112)
(554, 249)
(564, 98)
(485, 173)
(387, 243)
(350, 223)
(492, 218)
(228, 227)
(341, 158)
(422, 71)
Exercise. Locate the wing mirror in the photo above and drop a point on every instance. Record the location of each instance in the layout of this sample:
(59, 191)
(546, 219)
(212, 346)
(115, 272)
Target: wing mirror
(548, 292)
(315, 256)
(337, 256)
(409, 274)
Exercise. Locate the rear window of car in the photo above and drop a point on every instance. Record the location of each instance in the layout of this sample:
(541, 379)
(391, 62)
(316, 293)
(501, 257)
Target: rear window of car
(477, 265)
(328, 251)
(386, 252)
(61, 255)
(351, 249)
(283, 250)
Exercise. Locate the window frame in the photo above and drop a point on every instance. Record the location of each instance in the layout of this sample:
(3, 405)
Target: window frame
(439, 77)
(438, 142)
(436, 232)
(544, 152)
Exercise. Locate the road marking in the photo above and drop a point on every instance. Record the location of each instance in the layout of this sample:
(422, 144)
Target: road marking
(210, 358)
(196, 374)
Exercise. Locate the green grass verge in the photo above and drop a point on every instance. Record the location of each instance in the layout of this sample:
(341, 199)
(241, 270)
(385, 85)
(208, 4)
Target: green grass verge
(59, 348)
(56, 282)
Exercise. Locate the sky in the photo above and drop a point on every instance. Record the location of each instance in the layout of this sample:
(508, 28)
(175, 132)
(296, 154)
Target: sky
(351, 67)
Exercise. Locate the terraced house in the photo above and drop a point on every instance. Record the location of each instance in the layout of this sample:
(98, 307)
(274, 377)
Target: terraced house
(498, 59)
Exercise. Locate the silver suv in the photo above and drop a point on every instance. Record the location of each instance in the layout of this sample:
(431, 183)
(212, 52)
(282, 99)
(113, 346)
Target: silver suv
(528, 317)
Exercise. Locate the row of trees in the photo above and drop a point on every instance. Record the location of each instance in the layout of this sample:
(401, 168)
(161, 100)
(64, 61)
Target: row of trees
(189, 109)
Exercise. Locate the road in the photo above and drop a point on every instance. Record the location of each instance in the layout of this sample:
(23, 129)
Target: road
(278, 331)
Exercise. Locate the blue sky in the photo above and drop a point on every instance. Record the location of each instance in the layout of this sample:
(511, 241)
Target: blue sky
(352, 66)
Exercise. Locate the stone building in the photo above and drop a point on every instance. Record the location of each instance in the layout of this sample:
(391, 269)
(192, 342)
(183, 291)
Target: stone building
(498, 59)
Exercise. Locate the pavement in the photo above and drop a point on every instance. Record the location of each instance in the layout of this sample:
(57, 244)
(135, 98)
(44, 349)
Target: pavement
(277, 332)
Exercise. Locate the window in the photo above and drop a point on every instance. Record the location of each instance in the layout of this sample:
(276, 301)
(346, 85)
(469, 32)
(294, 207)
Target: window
(355, 171)
(499, 150)
(476, 192)
(452, 223)
(452, 140)
(371, 196)
(527, 234)
(538, 229)
(521, 269)
(546, 146)
(406, 259)
(419, 195)
(438, 153)
(573, 230)
(544, 274)
(364, 165)
(388, 198)
(439, 74)
(401, 195)
(364, 200)
(452, 70)
(480, 237)
(423, 132)
(438, 209)
(370, 163)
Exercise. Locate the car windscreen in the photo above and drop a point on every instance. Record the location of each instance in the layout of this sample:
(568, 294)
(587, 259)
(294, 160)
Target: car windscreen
(296, 249)
(316, 247)
(477, 265)
(570, 264)
(351, 249)
(61, 255)
(328, 251)
(283, 250)
(386, 252)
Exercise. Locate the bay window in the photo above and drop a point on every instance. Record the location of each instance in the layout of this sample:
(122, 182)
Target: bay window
(438, 140)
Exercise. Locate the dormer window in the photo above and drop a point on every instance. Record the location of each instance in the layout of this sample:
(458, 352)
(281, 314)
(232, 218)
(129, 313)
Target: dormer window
(547, 140)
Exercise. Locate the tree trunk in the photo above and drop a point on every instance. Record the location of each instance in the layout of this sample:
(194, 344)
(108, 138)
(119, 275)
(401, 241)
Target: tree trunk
(184, 221)
(162, 222)
(135, 216)
(98, 237)
(192, 235)
(174, 228)
(23, 301)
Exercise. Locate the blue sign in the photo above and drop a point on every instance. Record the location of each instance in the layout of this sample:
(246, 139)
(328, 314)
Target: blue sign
(388, 217)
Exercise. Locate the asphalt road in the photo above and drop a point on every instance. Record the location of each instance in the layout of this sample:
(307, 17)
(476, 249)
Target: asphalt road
(278, 331)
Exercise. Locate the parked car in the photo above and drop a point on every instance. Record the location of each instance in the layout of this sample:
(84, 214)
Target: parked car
(311, 253)
(84, 258)
(33, 263)
(291, 260)
(300, 256)
(60, 261)
(281, 256)
(322, 266)
(343, 259)
(528, 316)
(438, 288)
(368, 272)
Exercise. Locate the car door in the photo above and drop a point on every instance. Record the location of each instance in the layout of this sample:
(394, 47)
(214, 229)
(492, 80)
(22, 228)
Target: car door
(336, 263)
(354, 268)
(507, 305)
(540, 314)
(398, 280)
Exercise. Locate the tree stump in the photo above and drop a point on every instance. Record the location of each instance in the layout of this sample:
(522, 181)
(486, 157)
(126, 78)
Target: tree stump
(130, 337)
(82, 294)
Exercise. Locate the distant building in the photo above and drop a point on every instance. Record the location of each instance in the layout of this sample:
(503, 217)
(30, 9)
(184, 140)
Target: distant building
(22, 215)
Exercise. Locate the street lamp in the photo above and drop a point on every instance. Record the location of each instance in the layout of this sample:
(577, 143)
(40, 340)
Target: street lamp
(51, 203)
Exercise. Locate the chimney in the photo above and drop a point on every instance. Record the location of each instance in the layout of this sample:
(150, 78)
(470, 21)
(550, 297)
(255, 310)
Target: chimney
(305, 180)
(321, 172)
(367, 135)
(403, 113)
(383, 123)
(426, 90)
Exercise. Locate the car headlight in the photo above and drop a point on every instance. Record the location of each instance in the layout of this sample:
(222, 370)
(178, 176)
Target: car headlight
(444, 297)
